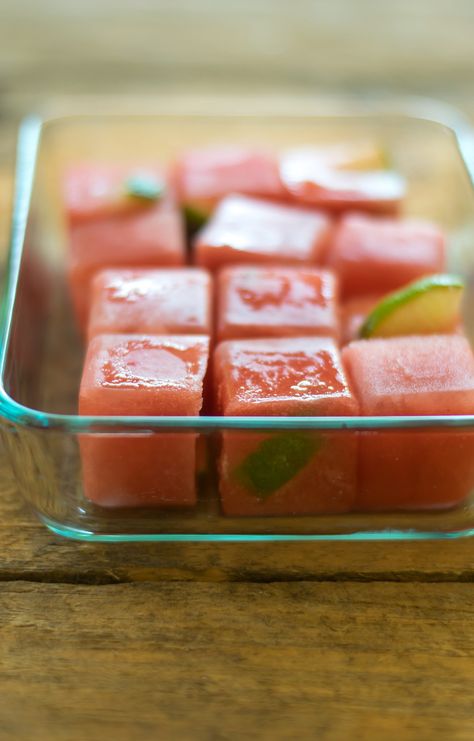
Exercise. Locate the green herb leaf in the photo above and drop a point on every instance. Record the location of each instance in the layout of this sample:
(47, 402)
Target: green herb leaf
(144, 186)
(276, 461)
(195, 219)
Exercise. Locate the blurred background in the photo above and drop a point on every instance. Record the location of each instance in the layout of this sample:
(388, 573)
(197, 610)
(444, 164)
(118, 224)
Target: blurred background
(56, 47)
(50, 49)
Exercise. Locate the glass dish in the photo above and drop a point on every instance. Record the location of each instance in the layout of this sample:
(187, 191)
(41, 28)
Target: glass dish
(41, 353)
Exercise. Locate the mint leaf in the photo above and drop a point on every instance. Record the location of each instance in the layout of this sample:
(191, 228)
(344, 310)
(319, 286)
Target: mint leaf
(144, 187)
(195, 219)
(276, 461)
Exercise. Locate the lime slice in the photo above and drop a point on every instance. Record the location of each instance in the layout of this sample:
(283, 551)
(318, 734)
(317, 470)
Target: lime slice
(276, 461)
(427, 306)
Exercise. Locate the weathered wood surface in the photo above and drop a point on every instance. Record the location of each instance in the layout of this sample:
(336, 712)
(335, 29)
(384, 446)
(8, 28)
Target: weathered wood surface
(233, 661)
(29, 552)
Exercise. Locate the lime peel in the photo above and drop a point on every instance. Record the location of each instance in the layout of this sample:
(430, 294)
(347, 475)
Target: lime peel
(276, 461)
(427, 306)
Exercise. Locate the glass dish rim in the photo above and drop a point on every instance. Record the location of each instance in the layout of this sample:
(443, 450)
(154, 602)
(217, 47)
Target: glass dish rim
(27, 150)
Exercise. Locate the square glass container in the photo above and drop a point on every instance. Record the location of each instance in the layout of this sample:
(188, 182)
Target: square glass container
(41, 352)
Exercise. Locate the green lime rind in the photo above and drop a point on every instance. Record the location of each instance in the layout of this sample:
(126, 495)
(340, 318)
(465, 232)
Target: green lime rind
(276, 461)
(195, 218)
(144, 187)
(407, 311)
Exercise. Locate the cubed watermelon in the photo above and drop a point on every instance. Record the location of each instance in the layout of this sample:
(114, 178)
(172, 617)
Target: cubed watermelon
(130, 375)
(276, 302)
(362, 155)
(141, 300)
(151, 237)
(292, 471)
(373, 255)
(203, 177)
(353, 314)
(416, 375)
(95, 190)
(313, 179)
(249, 230)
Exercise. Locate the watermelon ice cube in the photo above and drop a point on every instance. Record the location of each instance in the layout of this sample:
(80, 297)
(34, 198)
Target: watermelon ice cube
(249, 230)
(361, 155)
(276, 302)
(292, 471)
(202, 177)
(373, 255)
(141, 300)
(354, 313)
(310, 177)
(128, 375)
(415, 375)
(151, 237)
(95, 190)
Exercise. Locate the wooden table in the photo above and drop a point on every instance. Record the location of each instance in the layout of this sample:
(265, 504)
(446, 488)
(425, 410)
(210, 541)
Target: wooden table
(194, 641)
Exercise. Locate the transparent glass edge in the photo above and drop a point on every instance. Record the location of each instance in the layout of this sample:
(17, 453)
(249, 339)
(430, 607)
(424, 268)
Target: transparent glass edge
(27, 151)
(32, 419)
(388, 535)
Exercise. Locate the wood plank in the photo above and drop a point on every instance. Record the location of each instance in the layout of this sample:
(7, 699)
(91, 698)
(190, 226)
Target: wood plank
(231, 661)
(29, 552)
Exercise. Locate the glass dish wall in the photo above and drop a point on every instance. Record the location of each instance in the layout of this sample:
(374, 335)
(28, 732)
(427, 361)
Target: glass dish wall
(42, 352)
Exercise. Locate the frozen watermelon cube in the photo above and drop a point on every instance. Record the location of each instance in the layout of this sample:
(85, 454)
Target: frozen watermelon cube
(128, 375)
(359, 155)
(311, 177)
(373, 255)
(416, 375)
(151, 237)
(354, 312)
(276, 302)
(145, 300)
(93, 190)
(292, 471)
(249, 230)
(202, 177)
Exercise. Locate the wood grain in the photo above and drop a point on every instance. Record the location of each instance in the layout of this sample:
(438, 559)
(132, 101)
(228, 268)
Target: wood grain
(232, 661)
(29, 552)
